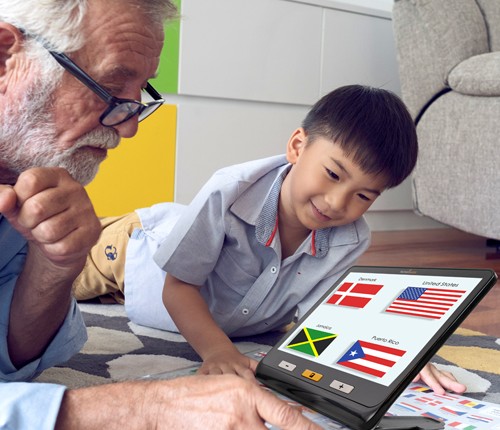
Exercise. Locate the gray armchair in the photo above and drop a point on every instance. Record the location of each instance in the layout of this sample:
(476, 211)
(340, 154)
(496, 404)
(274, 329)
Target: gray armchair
(449, 62)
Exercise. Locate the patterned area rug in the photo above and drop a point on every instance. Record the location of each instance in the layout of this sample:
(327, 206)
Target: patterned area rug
(118, 350)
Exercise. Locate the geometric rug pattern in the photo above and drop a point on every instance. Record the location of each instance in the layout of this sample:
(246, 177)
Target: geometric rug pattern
(118, 350)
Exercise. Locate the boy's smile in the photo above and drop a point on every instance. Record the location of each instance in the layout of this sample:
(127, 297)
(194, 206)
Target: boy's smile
(324, 187)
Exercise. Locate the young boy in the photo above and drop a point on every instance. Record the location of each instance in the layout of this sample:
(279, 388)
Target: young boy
(264, 240)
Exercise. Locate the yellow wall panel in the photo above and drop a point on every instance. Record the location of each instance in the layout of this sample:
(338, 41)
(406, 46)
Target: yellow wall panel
(140, 172)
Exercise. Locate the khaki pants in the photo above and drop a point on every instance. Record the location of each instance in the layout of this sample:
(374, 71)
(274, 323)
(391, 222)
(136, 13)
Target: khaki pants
(103, 274)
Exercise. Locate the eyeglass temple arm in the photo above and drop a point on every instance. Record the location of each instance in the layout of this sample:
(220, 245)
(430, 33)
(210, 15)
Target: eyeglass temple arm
(78, 73)
(153, 93)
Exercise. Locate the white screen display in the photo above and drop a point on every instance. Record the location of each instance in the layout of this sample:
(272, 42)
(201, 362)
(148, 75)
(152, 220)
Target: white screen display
(374, 325)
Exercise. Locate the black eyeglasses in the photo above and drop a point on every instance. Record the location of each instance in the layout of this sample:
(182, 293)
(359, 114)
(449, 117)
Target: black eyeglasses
(119, 110)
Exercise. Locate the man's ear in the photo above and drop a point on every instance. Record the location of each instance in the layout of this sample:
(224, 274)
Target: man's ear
(295, 145)
(11, 41)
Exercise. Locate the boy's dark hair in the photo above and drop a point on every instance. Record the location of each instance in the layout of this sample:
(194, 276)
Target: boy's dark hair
(371, 125)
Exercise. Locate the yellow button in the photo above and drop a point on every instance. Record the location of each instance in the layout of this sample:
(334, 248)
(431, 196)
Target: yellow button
(309, 374)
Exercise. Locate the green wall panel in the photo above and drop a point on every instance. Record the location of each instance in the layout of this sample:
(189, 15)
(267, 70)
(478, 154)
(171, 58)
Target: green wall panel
(167, 81)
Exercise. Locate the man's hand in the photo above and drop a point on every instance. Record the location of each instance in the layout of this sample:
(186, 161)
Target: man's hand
(229, 402)
(221, 402)
(53, 212)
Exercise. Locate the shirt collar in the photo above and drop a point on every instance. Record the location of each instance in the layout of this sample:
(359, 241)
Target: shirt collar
(262, 213)
(267, 222)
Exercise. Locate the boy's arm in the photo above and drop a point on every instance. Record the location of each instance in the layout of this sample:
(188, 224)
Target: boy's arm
(192, 317)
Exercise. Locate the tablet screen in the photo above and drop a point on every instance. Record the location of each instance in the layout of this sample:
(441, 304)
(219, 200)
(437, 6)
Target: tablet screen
(358, 347)
(373, 325)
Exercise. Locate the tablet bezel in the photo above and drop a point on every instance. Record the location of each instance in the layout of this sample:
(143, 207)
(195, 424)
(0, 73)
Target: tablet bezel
(369, 400)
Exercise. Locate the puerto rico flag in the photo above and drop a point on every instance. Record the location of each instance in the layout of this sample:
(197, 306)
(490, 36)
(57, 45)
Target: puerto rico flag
(354, 295)
(371, 358)
(430, 303)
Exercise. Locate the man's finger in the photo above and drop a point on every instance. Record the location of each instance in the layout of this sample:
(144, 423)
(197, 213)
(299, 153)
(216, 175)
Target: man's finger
(33, 181)
(282, 415)
(8, 200)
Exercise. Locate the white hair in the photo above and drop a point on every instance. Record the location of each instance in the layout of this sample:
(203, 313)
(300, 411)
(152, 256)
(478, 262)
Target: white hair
(25, 124)
(58, 22)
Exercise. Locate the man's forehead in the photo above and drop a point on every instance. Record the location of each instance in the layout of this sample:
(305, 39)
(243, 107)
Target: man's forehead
(119, 60)
(121, 43)
(122, 28)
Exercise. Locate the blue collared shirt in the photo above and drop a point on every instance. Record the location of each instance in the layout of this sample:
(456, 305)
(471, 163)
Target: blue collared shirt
(226, 242)
(30, 405)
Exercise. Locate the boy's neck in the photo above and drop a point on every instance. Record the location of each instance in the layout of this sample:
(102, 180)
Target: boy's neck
(290, 239)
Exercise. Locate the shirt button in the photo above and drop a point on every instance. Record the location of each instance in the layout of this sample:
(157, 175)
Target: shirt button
(274, 269)
(245, 311)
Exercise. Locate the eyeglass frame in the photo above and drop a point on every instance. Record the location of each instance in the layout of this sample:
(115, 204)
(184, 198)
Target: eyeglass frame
(112, 101)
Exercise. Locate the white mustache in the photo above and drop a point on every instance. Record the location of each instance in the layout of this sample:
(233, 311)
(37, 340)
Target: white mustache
(103, 138)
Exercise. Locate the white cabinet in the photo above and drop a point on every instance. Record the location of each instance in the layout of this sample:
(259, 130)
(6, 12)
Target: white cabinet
(358, 49)
(265, 50)
(214, 133)
(249, 70)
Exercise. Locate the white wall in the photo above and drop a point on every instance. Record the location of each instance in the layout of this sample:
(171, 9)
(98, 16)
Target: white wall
(250, 70)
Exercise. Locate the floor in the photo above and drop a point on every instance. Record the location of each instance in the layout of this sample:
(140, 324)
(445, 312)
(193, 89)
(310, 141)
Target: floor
(442, 248)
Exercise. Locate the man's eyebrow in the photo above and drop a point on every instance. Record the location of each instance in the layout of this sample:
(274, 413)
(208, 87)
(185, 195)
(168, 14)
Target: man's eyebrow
(120, 72)
(124, 73)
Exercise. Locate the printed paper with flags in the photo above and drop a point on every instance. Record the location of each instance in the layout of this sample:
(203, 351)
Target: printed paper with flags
(430, 303)
(354, 295)
(471, 404)
(371, 358)
(461, 426)
(311, 341)
(451, 409)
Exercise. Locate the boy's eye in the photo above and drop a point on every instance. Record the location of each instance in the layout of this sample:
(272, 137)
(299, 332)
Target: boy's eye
(332, 175)
(363, 197)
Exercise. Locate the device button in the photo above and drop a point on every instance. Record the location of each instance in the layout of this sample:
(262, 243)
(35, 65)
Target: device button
(341, 386)
(314, 376)
(287, 366)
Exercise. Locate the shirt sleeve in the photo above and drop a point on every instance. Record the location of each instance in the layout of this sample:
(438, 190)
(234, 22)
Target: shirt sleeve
(26, 405)
(193, 247)
(68, 341)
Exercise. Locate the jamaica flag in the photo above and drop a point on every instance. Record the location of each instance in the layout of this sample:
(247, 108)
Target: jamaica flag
(312, 342)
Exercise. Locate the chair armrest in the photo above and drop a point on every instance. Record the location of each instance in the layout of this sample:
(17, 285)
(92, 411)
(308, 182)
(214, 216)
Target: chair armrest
(477, 76)
(432, 37)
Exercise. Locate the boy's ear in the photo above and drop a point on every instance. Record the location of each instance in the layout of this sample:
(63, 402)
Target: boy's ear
(295, 145)
(11, 41)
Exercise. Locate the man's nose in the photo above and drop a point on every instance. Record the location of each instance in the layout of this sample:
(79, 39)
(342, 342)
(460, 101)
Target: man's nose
(128, 128)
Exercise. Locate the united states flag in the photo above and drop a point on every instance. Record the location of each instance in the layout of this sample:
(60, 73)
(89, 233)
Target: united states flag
(354, 295)
(430, 303)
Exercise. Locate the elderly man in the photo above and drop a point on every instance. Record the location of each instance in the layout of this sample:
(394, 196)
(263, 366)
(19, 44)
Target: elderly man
(71, 76)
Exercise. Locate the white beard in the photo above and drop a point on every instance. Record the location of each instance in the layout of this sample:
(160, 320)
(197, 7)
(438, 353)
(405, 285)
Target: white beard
(28, 137)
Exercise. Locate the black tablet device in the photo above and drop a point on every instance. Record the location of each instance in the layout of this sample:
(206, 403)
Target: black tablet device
(358, 348)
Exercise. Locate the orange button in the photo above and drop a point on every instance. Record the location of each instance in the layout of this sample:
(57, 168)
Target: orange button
(314, 376)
